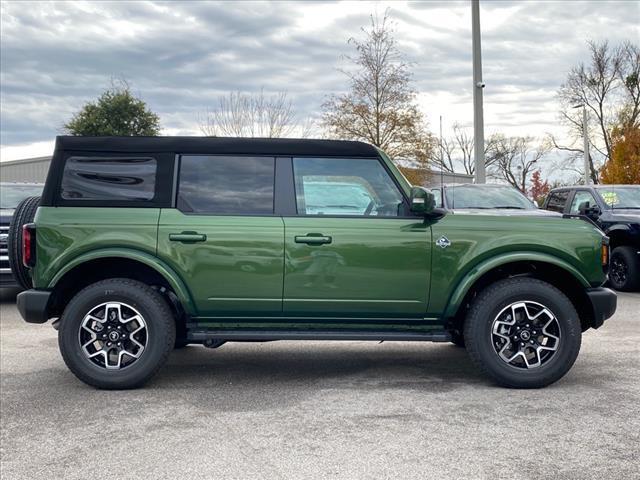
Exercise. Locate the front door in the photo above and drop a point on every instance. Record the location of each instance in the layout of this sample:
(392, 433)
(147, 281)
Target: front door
(353, 250)
(223, 238)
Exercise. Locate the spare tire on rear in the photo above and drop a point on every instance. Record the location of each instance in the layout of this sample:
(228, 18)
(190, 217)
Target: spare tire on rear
(24, 213)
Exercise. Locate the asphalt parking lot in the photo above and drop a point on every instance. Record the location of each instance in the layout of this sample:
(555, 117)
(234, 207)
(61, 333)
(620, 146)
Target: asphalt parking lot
(321, 410)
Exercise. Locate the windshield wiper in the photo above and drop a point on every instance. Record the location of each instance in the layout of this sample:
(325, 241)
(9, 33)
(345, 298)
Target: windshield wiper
(510, 207)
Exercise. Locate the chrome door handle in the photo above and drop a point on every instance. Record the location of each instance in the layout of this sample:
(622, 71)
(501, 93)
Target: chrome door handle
(313, 239)
(187, 237)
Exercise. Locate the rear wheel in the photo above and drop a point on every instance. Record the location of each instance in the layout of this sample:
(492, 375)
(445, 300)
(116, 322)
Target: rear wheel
(523, 333)
(624, 269)
(23, 214)
(116, 334)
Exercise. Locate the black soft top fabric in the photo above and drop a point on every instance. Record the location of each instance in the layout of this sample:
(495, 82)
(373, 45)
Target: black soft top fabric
(217, 145)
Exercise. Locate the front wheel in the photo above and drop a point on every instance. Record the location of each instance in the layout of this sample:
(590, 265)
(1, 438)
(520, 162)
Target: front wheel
(116, 333)
(523, 333)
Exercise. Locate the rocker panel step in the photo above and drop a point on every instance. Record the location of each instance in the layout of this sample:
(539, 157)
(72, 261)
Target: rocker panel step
(268, 335)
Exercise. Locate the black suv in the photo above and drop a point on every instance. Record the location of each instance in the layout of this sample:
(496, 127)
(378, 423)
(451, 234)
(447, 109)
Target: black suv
(616, 210)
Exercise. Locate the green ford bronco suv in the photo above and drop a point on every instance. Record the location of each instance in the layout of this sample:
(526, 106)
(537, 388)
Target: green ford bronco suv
(141, 245)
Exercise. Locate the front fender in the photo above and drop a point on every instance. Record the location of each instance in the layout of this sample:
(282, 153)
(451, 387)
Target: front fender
(149, 260)
(482, 268)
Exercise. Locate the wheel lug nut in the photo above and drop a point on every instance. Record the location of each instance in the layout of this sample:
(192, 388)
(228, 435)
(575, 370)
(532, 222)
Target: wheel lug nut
(531, 342)
(521, 344)
(104, 336)
(120, 344)
(108, 344)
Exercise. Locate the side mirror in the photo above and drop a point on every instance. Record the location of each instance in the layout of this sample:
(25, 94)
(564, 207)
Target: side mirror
(422, 201)
(587, 211)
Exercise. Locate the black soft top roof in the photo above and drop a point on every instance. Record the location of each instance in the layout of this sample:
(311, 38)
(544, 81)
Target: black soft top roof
(218, 145)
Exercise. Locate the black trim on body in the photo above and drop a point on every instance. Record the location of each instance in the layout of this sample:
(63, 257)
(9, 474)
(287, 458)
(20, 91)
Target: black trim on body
(603, 303)
(269, 335)
(33, 305)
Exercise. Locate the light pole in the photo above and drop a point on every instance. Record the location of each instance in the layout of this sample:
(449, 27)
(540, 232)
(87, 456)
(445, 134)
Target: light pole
(585, 142)
(478, 85)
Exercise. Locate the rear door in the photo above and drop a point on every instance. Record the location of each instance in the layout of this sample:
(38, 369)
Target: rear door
(223, 237)
(353, 250)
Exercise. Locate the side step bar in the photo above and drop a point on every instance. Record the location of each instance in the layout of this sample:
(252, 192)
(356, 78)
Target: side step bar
(269, 335)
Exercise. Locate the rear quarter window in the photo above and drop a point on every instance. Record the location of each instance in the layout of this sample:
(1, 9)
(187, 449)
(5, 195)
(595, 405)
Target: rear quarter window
(117, 179)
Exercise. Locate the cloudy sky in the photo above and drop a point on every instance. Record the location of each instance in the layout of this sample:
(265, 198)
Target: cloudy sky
(179, 57)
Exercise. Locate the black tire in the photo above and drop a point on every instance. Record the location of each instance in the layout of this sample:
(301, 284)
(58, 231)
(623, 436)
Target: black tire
(457, 339)
(23, 214)
(479, 338)
(160, 338)
(624, 269)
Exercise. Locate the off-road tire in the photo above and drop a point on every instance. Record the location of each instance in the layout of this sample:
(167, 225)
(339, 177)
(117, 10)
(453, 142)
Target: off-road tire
(630, 258)
(23, 214)
(486, 307)
(160, 325)
(457, 338)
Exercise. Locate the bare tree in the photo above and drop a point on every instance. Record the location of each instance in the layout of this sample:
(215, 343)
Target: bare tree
(379, 107)
(456, 154)
(608, 87)
(253, 115)
(515, 159)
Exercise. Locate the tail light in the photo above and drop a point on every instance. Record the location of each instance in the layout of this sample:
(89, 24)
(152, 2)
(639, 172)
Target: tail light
(29, 245)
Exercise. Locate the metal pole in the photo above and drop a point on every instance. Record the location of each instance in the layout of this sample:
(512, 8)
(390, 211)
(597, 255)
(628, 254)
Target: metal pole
(441, 156)
(585, 139)
(478, 85)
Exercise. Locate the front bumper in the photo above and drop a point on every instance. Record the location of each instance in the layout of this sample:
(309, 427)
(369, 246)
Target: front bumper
(603, 304)
(33, 305)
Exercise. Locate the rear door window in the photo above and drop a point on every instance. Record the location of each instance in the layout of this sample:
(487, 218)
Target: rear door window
(558, 200)
(109, 179)
(226, 185)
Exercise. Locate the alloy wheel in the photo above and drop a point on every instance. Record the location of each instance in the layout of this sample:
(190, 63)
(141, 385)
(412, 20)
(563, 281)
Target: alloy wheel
(525, 334)
(113, 335)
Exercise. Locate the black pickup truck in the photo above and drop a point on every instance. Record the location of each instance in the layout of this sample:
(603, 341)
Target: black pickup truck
(616, 210)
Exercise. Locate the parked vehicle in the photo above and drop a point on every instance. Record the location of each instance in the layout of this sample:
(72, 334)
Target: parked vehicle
(142, 244)
(486, 199)
(616, 210)
(11, 194)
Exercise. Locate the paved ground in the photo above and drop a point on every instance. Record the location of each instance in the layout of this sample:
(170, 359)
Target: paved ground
(321, 410)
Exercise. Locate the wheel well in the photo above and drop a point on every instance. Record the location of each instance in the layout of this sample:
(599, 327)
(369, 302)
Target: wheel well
(113, 267)
(556, 276)
(619, 238)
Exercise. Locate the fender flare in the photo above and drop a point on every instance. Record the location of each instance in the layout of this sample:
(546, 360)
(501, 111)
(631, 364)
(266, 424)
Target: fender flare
(174, 280)
(477, 271)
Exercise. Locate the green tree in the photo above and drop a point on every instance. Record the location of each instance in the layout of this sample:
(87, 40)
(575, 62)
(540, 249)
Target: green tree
(117, 112)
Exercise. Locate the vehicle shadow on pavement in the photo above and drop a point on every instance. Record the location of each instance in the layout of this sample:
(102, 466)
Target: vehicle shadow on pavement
(8, 295)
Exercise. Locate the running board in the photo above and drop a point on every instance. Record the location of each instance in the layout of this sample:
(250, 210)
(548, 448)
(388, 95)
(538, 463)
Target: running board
(269, 335)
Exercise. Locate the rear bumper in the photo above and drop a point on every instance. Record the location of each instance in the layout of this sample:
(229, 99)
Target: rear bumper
(603, 304)
(33, 305)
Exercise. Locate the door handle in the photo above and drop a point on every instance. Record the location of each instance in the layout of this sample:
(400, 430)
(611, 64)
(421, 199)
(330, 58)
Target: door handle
(312, 239)
(187, 237)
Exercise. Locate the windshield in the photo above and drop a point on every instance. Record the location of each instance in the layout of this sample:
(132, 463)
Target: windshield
(12, 194)
(620, 197)
(487, 197)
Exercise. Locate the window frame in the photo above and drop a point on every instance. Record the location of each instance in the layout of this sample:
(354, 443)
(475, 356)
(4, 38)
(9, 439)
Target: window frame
(178, 172)
(162, 190)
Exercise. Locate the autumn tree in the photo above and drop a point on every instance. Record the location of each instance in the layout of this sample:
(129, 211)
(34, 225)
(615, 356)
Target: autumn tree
(539, 189)
(515, 159)
(624, 165)
(117, 112)
(239, 114)
(608, 86)
(379, 107)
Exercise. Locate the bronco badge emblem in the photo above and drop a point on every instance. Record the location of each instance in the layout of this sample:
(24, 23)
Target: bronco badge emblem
(443, 242)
